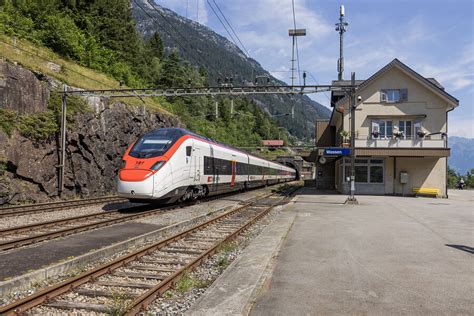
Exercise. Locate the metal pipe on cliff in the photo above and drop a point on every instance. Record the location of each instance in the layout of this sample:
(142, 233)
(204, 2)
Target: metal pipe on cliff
(63, 142)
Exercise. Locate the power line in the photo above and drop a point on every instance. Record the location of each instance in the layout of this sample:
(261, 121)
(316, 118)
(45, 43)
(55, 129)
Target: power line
(325, 93)
(230, 25)
(200, 61)
(297, 52)
(222, 23)
(68, 69)
(51, 61)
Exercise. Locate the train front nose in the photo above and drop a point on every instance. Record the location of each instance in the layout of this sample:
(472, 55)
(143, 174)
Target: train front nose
(135, 183)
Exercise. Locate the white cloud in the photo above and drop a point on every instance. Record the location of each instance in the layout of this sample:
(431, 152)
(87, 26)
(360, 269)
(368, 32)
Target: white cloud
(264, 24)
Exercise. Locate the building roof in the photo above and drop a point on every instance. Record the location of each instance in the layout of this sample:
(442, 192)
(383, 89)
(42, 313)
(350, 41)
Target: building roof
(430, 82)
(272, 142)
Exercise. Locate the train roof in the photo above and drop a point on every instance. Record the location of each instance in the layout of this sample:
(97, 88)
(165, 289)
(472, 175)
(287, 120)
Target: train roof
(187, 132)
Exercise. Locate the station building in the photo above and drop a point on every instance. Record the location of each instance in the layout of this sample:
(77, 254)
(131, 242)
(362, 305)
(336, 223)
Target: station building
(401, 128)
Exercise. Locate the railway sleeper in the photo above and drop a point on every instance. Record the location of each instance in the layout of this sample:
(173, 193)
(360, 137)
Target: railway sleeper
(101, 293)
(99, 308)
(164, 262)
(187, 252)
(140, 275)
(128, 284)
(151, 268)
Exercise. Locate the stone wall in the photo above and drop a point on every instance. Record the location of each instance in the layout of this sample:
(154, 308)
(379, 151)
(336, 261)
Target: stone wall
(22, 90)
(96, 142)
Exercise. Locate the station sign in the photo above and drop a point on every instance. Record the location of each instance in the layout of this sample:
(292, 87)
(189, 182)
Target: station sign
(336, 151)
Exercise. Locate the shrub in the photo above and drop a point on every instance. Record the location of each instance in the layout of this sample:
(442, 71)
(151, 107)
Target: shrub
(8, 119)
(39, 126)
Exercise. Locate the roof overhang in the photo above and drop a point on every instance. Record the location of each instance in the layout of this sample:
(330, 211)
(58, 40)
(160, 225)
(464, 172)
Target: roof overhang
(413, 74)
(404, 152)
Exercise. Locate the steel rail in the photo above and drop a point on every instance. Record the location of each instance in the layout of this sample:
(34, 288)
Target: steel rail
(77, 229)
(62, 221)
(15, 243)
(17, 210)
(148, 297)
(22, 305)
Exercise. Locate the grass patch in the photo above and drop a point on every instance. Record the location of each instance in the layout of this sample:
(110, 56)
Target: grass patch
(38, 59)
(223, 260)
(185, 283)
(120, 305)
(228, 247)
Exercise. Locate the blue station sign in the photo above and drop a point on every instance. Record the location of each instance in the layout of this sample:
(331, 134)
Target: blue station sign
(336, 151)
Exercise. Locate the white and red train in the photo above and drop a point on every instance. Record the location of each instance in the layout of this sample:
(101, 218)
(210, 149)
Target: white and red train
(171, 164)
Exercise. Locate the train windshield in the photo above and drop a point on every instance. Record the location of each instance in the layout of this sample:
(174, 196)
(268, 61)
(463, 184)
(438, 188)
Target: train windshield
(155, 143)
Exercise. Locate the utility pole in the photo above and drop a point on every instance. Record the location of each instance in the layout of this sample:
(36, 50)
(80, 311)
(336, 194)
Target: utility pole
(62, 158)
(294, 33)
(231, 107)
(217, 110)
(341, 27)
(352, 199)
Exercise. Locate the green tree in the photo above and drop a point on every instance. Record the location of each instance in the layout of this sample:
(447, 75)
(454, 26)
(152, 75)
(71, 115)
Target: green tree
(172, 72)
(453, 178)
(154, 46)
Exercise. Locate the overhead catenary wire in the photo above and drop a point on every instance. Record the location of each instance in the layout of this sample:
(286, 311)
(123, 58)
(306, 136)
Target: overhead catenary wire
(62, 66)
(223, 24)
(232, 29)
(296, 42)
(197, 58)
(315, 80)
(54, 62)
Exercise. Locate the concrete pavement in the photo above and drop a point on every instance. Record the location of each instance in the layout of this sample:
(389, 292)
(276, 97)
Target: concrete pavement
(385, 256)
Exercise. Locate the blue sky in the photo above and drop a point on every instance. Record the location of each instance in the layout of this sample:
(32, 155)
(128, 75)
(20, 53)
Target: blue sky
(434, 37)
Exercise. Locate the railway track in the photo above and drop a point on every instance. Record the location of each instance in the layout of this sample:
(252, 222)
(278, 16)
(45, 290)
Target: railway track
(140, 277)
(19, 236)
(27, 209)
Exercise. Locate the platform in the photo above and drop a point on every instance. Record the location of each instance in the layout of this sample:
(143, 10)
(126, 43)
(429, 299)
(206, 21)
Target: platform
(387, 255)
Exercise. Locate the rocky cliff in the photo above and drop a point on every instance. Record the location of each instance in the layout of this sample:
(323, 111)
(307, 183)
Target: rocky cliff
(96, 141)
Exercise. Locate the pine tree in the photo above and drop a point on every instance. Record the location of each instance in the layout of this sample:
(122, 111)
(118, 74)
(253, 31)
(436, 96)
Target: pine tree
(154, 46)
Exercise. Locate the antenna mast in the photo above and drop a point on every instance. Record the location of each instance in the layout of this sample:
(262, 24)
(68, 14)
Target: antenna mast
(341, 27)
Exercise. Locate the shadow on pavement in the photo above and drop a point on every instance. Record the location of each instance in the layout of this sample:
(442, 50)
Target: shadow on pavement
(462, 247)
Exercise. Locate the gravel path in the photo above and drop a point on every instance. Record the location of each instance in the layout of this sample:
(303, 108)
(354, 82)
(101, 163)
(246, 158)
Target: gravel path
(21, 220)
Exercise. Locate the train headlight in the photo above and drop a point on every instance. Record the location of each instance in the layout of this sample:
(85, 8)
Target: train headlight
(122, 164)
(158, 165)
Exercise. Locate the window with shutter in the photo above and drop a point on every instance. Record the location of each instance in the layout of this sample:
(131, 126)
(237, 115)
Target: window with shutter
(375, 129)
(383, 96)
(418, 127)
(403, 95)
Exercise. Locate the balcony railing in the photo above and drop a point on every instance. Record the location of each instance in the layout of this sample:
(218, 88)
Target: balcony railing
(434, 141)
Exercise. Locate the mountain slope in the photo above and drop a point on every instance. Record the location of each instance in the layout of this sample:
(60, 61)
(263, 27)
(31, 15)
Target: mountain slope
(221, 58)
(462, 154)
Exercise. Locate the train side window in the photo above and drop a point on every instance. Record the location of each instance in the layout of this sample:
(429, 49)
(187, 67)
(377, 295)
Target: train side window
(189, 149)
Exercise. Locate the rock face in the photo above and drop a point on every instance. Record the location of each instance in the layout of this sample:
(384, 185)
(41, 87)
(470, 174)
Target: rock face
(21, 90)
(96, 142)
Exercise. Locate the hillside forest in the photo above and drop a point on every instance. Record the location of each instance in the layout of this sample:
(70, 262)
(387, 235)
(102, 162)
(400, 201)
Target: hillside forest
(102, 35)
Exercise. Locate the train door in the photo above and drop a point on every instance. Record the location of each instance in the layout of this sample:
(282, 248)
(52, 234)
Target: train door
(232, 180)
(196, 162)
(188, 166)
